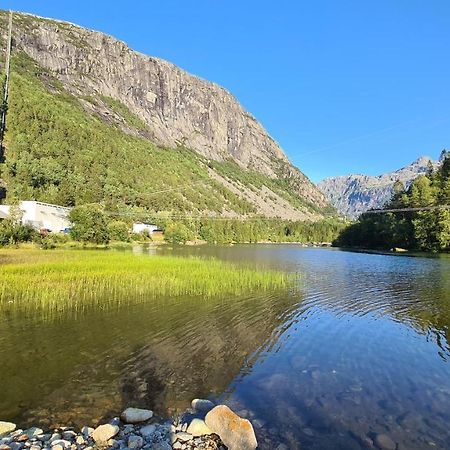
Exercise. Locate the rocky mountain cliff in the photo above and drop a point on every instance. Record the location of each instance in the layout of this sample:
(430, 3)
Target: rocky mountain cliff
(352, 195)
(152, 99)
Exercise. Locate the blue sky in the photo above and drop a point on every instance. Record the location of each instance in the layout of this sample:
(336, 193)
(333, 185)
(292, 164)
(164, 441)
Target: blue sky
(344, 86)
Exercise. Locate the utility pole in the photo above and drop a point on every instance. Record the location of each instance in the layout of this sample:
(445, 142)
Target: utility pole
(4, 105)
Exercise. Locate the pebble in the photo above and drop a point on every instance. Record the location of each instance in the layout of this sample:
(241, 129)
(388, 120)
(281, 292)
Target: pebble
(183, 436)
(135, 442)
(33, 431)
(55, 437)
(148, 430)
(384, 442)
(68, 435)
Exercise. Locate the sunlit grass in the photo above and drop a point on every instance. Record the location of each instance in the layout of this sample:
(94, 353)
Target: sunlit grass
(74, 279)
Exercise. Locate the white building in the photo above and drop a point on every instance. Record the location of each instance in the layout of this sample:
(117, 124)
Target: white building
(42, 215)
(141, 227)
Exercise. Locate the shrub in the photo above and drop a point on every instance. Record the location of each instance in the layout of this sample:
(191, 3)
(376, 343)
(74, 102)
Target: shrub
(89, 224)
(177, 233)
(119, 231)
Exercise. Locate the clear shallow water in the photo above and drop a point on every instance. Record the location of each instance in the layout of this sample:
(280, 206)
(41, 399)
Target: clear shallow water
(362, 350)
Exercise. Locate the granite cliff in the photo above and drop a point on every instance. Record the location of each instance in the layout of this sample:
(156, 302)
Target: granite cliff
(168, 106)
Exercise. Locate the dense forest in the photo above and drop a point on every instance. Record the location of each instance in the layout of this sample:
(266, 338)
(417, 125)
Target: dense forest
(424, 223)
(58, 153)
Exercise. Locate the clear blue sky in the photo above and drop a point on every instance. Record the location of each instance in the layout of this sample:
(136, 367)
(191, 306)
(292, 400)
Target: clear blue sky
(343, 86)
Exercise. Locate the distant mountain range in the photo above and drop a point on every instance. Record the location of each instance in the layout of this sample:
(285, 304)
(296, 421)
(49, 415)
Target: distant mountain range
(352, 195)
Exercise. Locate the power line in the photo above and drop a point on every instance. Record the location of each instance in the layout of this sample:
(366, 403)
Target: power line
(423, 208)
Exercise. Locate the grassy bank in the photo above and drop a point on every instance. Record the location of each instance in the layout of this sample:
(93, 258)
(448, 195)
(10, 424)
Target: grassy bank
(63, 279)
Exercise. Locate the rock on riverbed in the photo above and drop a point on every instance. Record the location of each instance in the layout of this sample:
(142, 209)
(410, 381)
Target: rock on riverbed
(6, 427)
(136, 415)
(135, 432)
(235, 432)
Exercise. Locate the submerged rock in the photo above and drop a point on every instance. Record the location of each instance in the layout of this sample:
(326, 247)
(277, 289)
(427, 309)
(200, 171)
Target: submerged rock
(198, 427)
(236, 433)
(201, 405)
(384, 442)
(104, 433)
(33, 432)
(136, 415)
(6, 427)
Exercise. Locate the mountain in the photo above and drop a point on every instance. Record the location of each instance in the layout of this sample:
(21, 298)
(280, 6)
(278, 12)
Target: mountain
(91, 120)
(352, 195)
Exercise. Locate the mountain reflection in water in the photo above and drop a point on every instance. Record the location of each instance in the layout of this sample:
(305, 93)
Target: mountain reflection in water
(361, 351)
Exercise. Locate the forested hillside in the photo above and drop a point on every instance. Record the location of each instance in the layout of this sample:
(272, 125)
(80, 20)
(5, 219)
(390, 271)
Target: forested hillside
(69, 143)
(423, 225)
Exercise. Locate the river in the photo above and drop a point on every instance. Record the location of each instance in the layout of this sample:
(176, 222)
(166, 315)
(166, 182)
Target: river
(360, 350)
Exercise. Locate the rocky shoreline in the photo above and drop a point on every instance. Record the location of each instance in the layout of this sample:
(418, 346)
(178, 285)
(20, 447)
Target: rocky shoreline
(204, 426)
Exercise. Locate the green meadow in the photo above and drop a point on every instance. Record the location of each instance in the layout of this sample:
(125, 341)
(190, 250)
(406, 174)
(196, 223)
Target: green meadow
(60, 280)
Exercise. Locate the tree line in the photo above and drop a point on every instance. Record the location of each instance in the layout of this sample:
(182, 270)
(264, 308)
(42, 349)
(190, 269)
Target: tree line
(424, 226)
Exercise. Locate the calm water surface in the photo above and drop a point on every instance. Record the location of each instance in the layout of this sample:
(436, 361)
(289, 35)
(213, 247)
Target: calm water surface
(362, 350)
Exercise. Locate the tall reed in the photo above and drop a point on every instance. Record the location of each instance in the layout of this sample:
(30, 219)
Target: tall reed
(62, 279)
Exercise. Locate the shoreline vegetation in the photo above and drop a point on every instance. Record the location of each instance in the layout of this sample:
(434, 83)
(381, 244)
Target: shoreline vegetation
(417, 218)
(57, 280)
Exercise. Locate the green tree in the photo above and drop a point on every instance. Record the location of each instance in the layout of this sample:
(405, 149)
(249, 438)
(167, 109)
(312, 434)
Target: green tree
(89, 224)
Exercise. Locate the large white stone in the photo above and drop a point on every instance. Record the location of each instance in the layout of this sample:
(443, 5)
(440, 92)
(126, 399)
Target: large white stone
(136, 415)
(198, 427)
(104, 432)
(7, 427)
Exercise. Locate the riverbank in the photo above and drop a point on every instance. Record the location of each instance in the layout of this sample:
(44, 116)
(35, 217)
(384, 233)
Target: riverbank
(204, 426)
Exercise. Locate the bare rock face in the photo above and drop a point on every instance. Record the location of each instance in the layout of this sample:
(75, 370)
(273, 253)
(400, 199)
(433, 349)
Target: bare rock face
(352, 195)
(178, 109)
(236, 433)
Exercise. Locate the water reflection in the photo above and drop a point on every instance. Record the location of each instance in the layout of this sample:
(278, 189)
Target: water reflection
(363, 352)
(366, 354)
(81, 368)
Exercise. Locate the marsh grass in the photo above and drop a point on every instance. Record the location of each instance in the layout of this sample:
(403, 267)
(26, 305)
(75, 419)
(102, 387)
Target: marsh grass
(59, 280)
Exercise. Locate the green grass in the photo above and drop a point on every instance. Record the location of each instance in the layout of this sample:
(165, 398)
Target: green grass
(59, 280)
